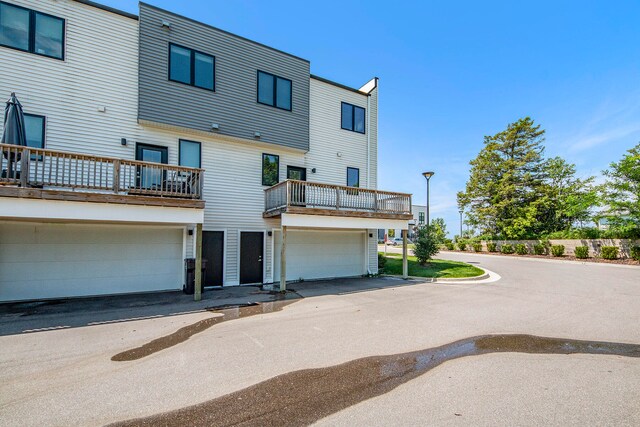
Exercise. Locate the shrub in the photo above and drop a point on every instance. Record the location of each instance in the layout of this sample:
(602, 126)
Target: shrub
(462, 245)
(382, 261)
(581, 252)
(450, 246)
(557, 250)
(521, 249)
(477, 247)
(426, 245)
(492, 247)
(539, 249)
(507, 249)
(635, 253)
(609, 252)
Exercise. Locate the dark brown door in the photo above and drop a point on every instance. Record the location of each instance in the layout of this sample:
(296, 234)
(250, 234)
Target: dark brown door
(251, 257)
(298, 192)
(294, 172)
(150, 178)
(213, 252)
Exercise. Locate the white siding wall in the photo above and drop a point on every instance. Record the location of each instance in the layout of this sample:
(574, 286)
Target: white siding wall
(328, 138)
(233, 188)
(101, 70)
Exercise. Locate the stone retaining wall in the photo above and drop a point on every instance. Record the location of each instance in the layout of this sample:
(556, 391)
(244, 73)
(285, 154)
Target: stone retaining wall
(594, 245)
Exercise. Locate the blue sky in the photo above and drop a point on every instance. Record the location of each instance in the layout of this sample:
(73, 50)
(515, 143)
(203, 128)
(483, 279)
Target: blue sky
(453, 71)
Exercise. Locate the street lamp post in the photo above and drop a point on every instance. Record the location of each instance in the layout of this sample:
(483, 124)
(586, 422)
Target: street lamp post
(461, 222)
(427, 176)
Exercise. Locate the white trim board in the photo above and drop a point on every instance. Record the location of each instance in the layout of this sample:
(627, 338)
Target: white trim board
(320, 221)
(19, 208)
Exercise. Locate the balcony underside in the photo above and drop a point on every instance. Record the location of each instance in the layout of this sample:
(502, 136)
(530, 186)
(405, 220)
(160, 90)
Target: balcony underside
(334, 212)
(78, 196)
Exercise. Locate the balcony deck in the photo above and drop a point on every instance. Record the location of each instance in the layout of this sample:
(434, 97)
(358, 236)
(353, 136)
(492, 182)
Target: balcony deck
(58, 175)
(310, 198)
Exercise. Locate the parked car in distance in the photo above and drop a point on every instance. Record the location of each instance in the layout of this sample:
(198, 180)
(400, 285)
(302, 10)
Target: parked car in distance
(395, 241)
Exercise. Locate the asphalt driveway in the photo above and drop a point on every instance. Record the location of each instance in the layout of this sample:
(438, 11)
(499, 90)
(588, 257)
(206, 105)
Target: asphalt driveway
(66, 376)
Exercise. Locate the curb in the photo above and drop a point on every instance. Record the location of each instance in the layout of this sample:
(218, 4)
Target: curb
(551, 260)
(484, 276)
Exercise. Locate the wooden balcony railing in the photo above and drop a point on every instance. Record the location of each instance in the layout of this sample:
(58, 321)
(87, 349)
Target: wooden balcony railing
(51, 169)
(311, 197)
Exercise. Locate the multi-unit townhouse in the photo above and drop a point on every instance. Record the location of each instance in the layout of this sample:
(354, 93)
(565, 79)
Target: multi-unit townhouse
(154, 138)
(418, 219)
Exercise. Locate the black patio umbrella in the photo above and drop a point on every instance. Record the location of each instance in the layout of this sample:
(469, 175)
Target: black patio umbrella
(13, 133)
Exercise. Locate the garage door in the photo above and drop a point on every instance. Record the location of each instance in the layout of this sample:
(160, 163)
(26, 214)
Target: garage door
(61, 260)
(321, 254)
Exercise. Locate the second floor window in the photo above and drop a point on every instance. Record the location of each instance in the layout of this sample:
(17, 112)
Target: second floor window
(189, 154)
(191, 67)
(353, 177)
(421, 217)
(353, 118)
(274, 91)
(270, 169)
(31, 31)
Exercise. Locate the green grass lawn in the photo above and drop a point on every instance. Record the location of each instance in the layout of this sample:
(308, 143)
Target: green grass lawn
(435, 268)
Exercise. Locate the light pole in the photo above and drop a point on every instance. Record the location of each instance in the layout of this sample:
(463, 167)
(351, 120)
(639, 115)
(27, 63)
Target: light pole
(461, 222)
(427, 176)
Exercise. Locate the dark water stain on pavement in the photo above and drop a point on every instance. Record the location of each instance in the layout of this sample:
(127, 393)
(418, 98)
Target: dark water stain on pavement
(302, 397)
(184, 333)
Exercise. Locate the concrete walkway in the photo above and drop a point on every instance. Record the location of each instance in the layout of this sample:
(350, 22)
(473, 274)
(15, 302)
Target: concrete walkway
(30, 317)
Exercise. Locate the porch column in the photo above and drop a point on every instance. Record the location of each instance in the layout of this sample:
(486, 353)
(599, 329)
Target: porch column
(283, 260)
(405, 265)
(197, 294)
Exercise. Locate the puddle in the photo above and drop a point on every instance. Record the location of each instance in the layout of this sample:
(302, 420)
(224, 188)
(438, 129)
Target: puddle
(224, 314)
(303, 397)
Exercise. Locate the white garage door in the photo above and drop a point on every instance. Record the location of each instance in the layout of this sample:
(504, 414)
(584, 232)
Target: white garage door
(321, 254)
(61, 260)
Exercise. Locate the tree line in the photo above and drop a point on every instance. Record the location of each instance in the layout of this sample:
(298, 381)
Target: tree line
(515, 192)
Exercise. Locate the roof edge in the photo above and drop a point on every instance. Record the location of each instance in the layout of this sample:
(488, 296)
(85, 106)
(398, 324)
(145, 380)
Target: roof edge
(224, 31)
(108, 9)
(340, 85)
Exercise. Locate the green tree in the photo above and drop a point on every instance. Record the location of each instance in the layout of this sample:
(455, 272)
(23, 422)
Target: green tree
(565, 199)
(621, 192)
(426, 244)
(439, 229)
(506, 178)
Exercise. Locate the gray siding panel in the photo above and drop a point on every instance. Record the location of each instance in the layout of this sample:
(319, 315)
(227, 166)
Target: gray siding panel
(234, 104)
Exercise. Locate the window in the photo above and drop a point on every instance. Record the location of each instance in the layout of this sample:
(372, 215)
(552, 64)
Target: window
(191, 67)
(353, 118)
(274, 91)
(190, 154)
(31, 31)
(270, 169)
(421, 217)
(353, 177)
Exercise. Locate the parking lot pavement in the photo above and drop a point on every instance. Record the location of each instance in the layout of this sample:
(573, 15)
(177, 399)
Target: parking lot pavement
(66, 376)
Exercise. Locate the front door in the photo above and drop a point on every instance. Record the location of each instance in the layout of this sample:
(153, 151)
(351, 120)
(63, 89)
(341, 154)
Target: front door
(147, 177)
(251, 257)
(213, 252)
(294, 172)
